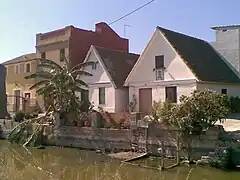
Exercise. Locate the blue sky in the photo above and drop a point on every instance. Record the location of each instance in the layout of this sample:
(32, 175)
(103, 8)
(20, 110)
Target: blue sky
(21, 20)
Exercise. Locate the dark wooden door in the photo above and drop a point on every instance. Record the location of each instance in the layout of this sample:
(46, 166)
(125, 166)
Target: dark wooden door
(171, 94)
(17, 99)
(145, 100)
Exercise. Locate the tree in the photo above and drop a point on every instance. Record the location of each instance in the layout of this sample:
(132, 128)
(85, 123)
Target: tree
(61, 83)
(194, 114)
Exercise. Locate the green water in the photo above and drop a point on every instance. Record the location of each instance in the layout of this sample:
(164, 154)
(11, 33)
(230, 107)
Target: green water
(17, 163)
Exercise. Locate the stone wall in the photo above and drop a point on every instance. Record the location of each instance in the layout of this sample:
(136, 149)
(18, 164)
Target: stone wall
(154, 138)
(94, 138)
(5, 127)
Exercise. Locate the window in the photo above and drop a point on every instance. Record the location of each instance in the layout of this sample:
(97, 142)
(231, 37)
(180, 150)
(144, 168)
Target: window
(94, 65)
(27, 95)
(101, 95)
(28, 67)
(224, 91)
(43, 55)
(171, 94)
(159, 67)
(17, 69)
(62, 55)
(159, 62)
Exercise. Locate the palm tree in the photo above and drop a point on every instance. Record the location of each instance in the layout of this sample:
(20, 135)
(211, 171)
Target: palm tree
(61, 84)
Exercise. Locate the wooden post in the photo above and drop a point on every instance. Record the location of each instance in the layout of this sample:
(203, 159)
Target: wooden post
(146, 138)
(178, 149)
(163, 154)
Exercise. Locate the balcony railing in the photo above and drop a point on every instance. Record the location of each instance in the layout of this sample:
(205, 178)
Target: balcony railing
(159, 74)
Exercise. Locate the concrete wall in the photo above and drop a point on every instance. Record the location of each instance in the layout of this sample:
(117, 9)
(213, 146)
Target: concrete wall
(94, 138)
(5, 127)
(232, 89)
(228, 45)
(154, 137)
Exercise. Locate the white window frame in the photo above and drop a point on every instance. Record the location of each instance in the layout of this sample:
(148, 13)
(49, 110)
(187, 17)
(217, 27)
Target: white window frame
(15, 68)
(25, 65)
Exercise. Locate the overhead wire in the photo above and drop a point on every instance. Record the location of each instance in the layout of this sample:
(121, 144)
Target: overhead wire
(128, 14)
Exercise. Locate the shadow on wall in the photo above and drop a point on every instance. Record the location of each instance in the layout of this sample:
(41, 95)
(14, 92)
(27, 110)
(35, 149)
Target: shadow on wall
(3, 96)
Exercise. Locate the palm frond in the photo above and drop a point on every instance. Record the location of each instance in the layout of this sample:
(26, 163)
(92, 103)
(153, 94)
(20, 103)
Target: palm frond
(47, 66)
(45, 89)
(41, 74)
(81, 72)
(40, 83)
(80, 82)
(50, 62)
(82, 65)
(79, 88)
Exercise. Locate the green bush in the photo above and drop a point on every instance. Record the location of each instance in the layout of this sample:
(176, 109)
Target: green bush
(19, 116)
(235, 104)
(28, 116)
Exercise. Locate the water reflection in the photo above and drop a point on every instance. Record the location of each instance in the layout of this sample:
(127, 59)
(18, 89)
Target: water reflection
(72, 164)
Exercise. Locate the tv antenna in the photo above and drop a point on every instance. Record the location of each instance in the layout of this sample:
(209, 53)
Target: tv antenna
(125, 28)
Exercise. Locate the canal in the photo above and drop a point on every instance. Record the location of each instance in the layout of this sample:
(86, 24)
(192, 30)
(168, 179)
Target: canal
(18, 163)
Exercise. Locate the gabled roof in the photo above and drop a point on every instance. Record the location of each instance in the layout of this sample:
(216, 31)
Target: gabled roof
(118, 64)
(201, 58)
(23, 58)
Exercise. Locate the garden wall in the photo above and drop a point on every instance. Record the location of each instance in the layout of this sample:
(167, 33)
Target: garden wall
(154, 137)
(5, 127)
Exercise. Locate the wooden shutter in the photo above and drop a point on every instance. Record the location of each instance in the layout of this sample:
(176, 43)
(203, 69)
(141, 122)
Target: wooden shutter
(102, 95)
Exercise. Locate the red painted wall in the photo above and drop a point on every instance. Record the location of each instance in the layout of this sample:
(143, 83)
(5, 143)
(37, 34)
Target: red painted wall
(103, 36)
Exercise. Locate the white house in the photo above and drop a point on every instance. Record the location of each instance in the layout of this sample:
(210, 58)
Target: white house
(174, 64)
(109, 73)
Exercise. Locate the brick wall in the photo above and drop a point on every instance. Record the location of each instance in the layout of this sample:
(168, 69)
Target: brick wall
(103, 36)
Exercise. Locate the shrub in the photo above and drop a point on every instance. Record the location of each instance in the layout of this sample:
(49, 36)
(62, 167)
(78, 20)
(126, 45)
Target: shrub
(19, 116)
(194, 114)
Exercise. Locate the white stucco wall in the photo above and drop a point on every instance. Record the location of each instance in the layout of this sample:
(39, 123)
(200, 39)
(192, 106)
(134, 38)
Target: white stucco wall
(99, 79)
(232, 90)
(98, 74)
(143, 71)
(158, 91)
(121, 99)
(176, 74)
(109, 96)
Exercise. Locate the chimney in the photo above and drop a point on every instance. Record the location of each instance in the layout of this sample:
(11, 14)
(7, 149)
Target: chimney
(99, 27)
